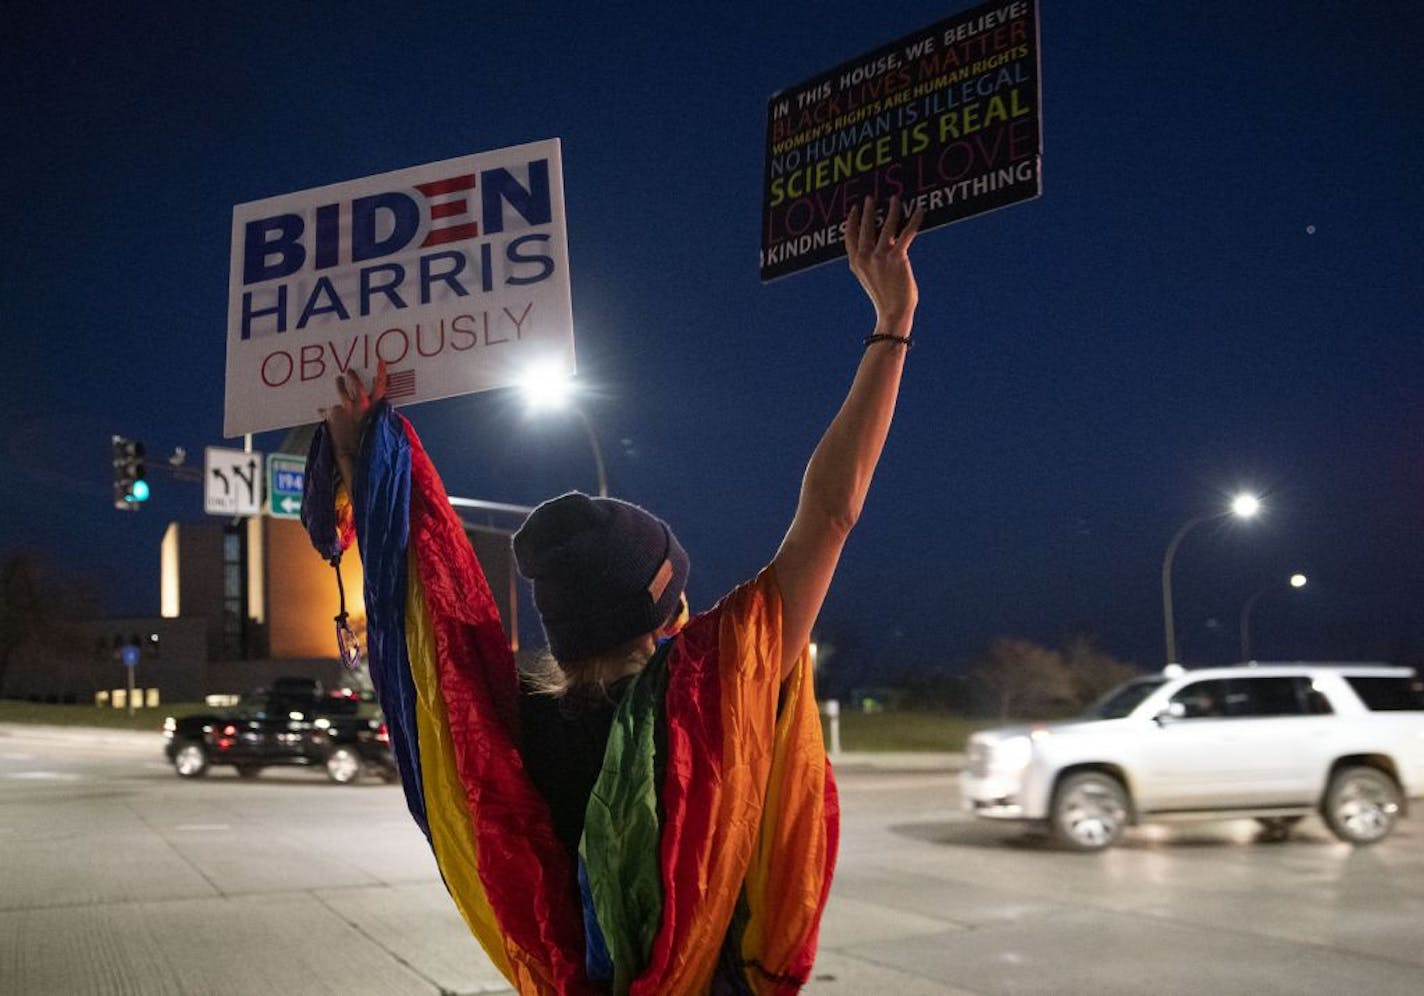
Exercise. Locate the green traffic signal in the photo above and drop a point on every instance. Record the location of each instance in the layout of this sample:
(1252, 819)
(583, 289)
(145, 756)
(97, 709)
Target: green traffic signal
(130, 488)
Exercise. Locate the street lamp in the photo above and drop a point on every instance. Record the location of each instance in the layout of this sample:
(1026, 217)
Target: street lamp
(1296, 581)
(549, 388)
(1243, 506)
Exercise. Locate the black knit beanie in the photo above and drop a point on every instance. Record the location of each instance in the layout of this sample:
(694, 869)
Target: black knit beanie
(604, 572)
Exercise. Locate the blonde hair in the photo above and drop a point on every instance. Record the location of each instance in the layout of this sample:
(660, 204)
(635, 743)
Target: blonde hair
(544, 674)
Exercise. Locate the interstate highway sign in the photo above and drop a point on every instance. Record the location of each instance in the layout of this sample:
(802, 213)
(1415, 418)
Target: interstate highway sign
(285, 475)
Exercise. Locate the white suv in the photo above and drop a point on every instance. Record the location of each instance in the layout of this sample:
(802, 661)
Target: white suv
(1271, 741)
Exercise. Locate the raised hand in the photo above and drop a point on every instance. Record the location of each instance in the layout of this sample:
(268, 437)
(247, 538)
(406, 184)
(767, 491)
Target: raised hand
(881, 263)
(347, 420)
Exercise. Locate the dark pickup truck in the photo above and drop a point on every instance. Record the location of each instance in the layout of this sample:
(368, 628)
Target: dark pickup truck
(294, 722)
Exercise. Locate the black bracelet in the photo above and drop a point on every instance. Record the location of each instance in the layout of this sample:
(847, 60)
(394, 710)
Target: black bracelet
(903, 340)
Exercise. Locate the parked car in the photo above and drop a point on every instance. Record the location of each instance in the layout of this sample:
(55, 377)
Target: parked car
(1273, 742)
(294, 722)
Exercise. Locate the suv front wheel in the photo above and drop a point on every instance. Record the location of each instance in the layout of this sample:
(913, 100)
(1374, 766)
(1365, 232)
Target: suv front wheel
(1361, 805)
(1089, 811)
(343, 765)
(190, 760)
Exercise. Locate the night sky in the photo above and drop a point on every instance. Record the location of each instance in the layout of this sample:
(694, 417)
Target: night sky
(1220, 287)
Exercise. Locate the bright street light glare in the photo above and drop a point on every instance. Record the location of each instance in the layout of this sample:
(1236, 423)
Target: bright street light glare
(1298, 580)
(545, 386)
(1245, 505)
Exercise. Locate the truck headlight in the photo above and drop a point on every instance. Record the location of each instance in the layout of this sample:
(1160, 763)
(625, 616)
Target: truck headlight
(1012, 754)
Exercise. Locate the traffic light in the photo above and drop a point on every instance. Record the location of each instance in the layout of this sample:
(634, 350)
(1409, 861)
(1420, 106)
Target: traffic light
(130, 488)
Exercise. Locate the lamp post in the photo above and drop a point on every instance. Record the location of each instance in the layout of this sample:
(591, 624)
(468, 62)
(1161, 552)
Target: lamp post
(597, 451)
(1243, 506)
(550, 388)
(1296, 581)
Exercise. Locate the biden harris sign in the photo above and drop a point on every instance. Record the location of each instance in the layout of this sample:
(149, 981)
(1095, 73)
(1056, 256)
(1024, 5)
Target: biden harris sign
(455, 273)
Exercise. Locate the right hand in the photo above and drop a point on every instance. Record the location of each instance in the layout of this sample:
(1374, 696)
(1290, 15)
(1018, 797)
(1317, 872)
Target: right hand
(347, 421)
(881, 263)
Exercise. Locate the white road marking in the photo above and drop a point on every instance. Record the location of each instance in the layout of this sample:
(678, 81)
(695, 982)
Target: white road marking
(202, 826)
(53, 776)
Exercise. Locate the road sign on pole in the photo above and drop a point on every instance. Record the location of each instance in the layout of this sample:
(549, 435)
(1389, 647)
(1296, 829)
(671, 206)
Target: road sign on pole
(285, 475)
(129, 655)
(232, 482)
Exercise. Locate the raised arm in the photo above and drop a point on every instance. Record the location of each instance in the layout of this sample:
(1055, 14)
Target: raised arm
(838, 475)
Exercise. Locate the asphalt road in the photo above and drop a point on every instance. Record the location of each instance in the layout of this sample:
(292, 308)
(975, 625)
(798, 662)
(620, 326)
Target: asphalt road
(117, 877)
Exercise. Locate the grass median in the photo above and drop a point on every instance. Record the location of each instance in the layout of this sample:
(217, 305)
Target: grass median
(906, 730)
(101, 717)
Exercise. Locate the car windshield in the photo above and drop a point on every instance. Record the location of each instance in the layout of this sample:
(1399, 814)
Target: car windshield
(1122, 700)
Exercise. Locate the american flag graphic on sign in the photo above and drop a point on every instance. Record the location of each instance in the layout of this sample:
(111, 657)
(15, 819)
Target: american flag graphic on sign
(400, 384)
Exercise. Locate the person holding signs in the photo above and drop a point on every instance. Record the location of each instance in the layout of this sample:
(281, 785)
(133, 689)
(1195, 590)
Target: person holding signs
(655, 812)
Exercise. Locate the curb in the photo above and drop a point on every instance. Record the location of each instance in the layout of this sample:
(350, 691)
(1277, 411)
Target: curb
(899, 761)
(848, 761)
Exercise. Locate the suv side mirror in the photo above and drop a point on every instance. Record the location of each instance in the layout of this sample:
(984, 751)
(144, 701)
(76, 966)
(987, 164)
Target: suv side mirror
(1173, 712)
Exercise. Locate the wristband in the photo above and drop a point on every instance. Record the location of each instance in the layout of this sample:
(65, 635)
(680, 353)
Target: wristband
(903, 340)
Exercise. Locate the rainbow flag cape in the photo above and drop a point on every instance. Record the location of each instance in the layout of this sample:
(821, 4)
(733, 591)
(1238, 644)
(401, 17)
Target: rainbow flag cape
(711, 834)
